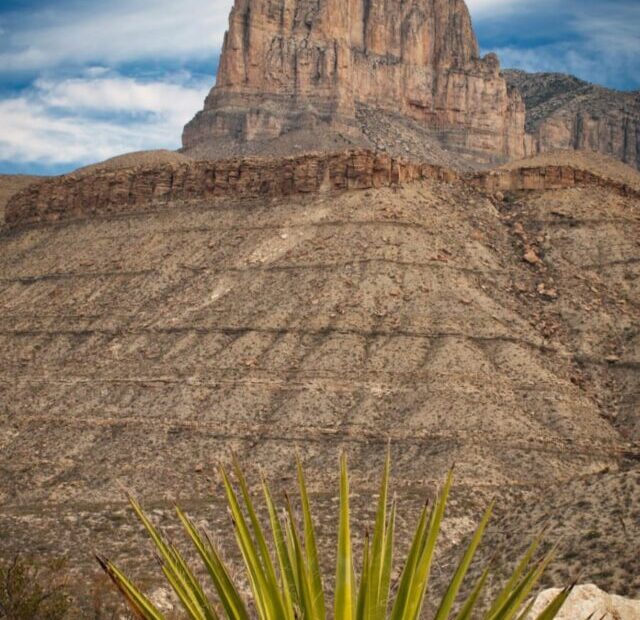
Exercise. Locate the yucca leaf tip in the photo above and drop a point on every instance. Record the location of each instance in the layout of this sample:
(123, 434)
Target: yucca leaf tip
(283, 566)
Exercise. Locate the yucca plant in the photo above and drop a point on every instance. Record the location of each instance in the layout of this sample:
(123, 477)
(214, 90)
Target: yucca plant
(283, 566)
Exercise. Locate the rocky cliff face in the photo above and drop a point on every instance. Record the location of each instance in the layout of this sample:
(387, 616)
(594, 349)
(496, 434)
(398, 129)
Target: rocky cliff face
(546, 178)
(293, 66)
(564, 112)
(107, 191)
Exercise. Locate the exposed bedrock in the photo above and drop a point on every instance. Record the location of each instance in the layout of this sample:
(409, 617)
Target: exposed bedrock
(564, 112)
(290, 66)
(110, 191)
(124, 190)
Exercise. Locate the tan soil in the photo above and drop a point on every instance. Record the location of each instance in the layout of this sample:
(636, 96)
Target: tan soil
(131, 160)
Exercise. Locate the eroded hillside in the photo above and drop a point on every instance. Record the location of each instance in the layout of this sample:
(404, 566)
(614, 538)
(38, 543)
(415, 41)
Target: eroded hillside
(499, 333)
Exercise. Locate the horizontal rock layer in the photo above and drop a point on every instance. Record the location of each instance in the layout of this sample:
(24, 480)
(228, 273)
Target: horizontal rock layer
(545, 178)
(125, 190)
(112, 191)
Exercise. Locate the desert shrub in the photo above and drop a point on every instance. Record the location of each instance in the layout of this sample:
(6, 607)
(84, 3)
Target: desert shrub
(33, 591)
(283, 567)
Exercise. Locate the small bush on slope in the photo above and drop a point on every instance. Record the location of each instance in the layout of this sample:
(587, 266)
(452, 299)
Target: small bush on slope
(32, 592)
(286, 581)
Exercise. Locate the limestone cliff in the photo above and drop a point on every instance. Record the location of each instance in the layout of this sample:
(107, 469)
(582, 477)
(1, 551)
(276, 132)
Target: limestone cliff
(161, 182)
(564, 112)
(105, 190)
(294, 66)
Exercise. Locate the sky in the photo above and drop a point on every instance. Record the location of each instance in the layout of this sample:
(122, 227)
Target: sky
(81, 81)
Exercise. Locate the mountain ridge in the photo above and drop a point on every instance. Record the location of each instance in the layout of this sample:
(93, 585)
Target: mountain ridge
(564, 112)
(164, 178)
(296, 76)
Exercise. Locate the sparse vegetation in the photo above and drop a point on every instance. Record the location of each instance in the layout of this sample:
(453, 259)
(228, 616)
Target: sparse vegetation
(33, 591)
(285, 574)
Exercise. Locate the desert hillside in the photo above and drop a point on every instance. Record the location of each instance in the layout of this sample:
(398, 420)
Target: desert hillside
(140, 348)
(371, 238)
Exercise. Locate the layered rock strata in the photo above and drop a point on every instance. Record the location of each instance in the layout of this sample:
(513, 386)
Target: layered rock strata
(290, 66)
(543, 178)
(111, 191)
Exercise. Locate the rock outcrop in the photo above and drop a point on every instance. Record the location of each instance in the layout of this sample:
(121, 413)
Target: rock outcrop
(564, 112)
(295, 66)
(589, 601)
(107, 190)
(10, 184)
(544, 178)
(304, 75)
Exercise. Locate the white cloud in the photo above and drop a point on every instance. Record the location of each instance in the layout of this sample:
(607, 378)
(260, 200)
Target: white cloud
(551, 58)
(601, 45)
(112, 32)
(610, 67)
(481, 7)
(82, 120)
(614, 37)
(120, 94)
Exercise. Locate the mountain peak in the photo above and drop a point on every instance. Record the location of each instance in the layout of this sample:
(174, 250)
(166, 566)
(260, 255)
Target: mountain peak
(294, 68)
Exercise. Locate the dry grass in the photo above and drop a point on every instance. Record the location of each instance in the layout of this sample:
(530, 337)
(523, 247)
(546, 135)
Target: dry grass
(132, 160)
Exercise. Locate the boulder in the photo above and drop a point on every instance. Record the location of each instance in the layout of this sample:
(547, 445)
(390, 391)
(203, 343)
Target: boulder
(586, 600)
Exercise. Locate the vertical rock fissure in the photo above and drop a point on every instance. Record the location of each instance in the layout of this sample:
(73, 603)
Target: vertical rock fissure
(246, 41)
(366, 12)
